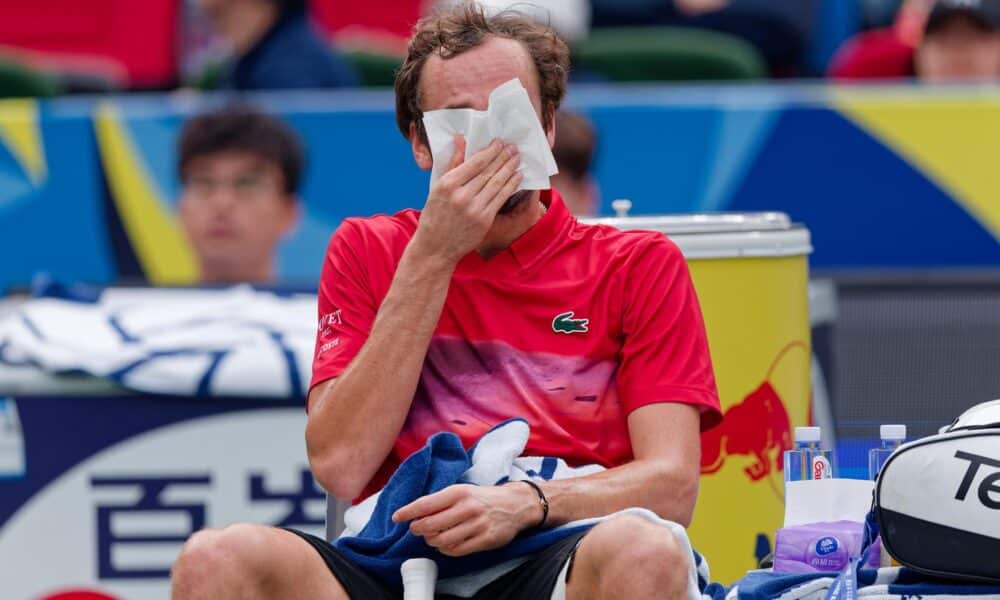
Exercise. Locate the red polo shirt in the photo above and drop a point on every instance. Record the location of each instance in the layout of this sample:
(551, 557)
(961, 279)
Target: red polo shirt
(572, 328)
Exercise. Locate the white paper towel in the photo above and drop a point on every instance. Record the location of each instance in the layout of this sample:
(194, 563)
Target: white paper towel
(509, 117)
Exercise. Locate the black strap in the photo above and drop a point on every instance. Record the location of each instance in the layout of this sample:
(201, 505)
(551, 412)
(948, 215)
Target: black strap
(541, 498)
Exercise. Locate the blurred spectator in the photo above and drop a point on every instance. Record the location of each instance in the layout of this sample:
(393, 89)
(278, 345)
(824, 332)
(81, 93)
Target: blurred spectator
(878, 13)
(946, 40)
(961, 41)
(875, 54)
(885, 53)
(381, 26)
(240, 172)
(576, 143)
(570, 18)
(275, 46)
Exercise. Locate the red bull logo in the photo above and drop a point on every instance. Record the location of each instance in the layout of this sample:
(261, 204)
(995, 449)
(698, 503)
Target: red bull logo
(758, 427)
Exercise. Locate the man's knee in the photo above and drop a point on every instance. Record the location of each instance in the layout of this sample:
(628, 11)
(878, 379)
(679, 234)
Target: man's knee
(219, 554)
(631, 546)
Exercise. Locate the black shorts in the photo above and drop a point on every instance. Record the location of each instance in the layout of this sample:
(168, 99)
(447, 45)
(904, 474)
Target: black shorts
(531, 580)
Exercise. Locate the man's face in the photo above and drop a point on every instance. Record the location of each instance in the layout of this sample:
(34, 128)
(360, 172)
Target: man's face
(234, 210)
(960, 48)
(466, 80)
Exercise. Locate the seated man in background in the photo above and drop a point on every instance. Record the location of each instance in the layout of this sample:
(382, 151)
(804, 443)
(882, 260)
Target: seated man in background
(576, 143)
(961, 42)
(240, 172)
(489, 304)
(275, 46)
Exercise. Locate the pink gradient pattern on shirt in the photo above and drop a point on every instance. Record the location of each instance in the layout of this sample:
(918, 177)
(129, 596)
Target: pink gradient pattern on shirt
(570, 402)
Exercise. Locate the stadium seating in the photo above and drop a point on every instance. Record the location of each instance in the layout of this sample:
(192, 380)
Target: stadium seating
(376, 69)
(668, 54)
(20, 81)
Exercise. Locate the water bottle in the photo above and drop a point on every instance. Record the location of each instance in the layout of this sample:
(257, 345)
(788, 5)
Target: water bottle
(808, 460)
(892, 438)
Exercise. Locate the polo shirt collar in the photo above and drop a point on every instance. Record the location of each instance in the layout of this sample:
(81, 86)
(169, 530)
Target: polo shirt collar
(533, 243)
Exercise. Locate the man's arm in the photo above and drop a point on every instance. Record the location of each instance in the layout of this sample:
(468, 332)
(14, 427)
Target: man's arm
(354, 420)
(666, 442)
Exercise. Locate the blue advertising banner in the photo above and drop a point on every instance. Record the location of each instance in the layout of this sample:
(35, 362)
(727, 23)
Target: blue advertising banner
(883, 177)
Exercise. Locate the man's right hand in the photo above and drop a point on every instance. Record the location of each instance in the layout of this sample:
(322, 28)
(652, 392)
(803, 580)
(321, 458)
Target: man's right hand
(464, 202)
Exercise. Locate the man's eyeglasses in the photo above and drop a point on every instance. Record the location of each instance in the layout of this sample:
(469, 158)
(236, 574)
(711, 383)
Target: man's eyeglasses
(248, 187)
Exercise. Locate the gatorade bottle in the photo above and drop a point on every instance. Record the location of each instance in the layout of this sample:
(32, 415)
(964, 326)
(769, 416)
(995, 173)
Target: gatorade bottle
(892, 438)
(808, 460)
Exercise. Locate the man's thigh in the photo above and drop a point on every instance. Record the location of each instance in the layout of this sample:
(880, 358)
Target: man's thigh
(355, 582)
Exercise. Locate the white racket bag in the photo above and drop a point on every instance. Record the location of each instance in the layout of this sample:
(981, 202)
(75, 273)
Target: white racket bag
(937, 499)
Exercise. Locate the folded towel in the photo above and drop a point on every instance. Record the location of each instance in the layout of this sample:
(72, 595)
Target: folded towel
(892, 583)
(233, 342)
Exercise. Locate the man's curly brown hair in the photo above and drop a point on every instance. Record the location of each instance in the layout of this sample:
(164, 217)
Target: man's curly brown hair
(465, 27)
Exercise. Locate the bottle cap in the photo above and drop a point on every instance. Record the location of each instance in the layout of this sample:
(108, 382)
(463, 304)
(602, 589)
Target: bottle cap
(621, 207)
(892, 432)
(807, 434)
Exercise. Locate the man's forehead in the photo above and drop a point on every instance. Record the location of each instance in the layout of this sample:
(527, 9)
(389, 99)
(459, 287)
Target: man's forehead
(233, 163)
(230, 158)
(465, 80)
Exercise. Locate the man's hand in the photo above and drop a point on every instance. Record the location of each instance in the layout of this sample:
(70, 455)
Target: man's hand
(464, 202)
(462, 519)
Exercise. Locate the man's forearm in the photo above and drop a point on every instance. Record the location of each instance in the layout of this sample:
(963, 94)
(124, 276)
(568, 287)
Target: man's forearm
(668, 491)
(354, 422)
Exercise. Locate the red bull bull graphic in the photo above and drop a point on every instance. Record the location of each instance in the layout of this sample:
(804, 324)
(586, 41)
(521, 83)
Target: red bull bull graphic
(757, 427)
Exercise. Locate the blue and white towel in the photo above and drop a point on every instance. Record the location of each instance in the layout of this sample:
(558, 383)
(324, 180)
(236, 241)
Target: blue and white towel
(232, 342)
(893, 583)
(380, 546)
(855, 582)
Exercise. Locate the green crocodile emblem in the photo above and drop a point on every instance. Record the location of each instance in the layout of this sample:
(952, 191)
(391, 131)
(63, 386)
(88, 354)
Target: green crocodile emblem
(565, 323)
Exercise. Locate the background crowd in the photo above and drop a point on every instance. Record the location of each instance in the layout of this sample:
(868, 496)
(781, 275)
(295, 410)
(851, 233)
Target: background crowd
(282, 44)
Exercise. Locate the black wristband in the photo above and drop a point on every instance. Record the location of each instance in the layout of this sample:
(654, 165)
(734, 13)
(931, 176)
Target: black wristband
(541, 499)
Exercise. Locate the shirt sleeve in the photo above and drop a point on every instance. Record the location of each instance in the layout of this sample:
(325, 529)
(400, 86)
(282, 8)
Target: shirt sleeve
(346, 305)
(665, 355)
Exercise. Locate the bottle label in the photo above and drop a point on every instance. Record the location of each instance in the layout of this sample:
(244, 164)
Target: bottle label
(821, 468)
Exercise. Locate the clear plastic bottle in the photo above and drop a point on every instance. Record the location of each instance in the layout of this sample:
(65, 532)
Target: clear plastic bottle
(893, 437)
(808, 460)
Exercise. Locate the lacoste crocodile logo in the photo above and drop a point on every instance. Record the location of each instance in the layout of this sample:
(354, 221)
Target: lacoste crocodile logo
(565, 323)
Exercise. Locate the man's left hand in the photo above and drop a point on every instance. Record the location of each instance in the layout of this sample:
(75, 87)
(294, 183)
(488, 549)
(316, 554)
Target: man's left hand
(462, 519)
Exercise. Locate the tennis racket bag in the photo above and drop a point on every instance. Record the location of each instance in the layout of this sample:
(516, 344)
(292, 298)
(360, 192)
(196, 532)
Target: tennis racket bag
(937, 499)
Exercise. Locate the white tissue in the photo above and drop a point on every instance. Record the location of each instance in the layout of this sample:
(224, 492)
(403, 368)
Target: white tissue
(419, 578)
(510, 117)
(827, 500)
